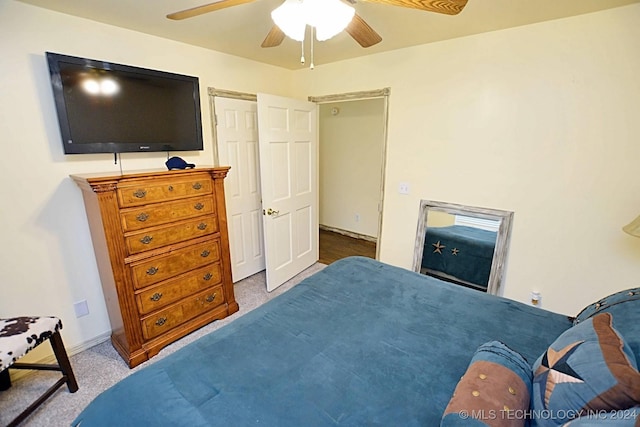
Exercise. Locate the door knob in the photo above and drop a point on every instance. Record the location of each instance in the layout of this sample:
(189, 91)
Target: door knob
(272, 212)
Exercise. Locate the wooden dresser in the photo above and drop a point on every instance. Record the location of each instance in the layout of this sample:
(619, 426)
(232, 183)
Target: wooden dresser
(162, 248)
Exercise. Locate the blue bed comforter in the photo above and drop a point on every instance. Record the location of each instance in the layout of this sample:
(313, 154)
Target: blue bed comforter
(464, 253)
(359, 343)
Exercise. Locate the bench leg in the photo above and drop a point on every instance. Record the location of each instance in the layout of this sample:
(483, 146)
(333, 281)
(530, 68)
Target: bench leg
(67, 377)
(63, 361)
(5, 380)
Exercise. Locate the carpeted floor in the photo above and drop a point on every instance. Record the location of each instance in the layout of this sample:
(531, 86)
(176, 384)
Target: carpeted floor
(100, 367)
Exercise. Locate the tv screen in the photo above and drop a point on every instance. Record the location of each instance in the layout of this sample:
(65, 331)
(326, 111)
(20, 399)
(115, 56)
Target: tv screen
(113, 108)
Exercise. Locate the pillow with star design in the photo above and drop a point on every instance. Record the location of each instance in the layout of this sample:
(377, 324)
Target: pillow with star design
(589, 368)
(608, 303)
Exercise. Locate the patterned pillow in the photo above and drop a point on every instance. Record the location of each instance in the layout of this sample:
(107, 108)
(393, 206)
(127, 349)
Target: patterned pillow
(495, 390)
(606, 302)
(588, 369)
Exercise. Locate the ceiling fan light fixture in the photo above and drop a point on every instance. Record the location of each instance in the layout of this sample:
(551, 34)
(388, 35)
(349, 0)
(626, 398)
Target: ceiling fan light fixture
(328, 17)
(290, 17)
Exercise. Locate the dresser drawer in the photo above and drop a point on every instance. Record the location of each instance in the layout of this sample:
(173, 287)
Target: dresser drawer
(164, 320)
(173, 290)
(144, 192)
(158, 214)
(178, 232)
(164, 267)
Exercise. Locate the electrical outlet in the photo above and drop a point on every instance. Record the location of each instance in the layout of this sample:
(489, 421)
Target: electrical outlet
(403, 188)
(536, 299)
(81, 308)
(357, 217)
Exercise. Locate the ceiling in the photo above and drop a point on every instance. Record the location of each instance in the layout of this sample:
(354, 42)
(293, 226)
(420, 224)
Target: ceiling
(239, 30)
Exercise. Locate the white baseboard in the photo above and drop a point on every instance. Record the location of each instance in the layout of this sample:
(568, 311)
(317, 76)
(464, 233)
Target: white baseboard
(105, 336)
(349, 233)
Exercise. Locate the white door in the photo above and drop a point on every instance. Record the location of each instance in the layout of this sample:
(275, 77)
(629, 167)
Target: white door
(237, 142)
(288, 162)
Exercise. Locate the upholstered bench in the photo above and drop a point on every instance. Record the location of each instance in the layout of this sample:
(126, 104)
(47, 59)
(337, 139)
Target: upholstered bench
(18, 336)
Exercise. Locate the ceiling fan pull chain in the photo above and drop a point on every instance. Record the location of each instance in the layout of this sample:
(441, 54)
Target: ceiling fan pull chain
(302, 52)
(312, 37)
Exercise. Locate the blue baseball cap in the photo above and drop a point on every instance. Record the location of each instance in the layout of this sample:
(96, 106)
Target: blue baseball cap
(178, 163)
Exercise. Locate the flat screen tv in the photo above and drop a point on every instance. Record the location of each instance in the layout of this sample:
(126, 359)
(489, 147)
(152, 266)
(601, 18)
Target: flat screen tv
(113, 108)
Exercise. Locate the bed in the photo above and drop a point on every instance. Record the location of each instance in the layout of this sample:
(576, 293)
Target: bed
(460, 254)
(359, 343)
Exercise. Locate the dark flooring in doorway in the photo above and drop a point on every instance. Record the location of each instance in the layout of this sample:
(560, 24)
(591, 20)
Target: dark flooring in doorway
(335, 246)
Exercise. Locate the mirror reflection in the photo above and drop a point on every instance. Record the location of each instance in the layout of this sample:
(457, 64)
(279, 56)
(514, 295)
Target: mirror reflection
(461, 244)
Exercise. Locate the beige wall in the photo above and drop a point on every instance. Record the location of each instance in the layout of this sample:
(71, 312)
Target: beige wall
(47, 255)
(351, 149)
(541, 120)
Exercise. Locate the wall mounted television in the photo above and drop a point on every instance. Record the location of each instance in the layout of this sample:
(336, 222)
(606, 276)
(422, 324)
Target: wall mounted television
(104, 107)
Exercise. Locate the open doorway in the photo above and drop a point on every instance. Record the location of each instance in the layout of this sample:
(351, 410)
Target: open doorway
(351, 158)
(354, 126)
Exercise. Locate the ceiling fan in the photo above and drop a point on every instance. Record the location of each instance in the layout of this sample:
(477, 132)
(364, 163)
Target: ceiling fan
(358, 29)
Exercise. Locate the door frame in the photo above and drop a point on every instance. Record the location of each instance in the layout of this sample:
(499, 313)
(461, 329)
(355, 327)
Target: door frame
(361, 96)
(323, 99)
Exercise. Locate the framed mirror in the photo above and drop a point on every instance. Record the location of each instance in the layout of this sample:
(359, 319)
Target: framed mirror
(465, 245)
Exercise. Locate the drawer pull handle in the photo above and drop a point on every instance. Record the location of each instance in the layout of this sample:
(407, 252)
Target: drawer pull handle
(197, 186)
(161, 321)
(146, 240)
(140, 194)
(156, 297)
(211, 297)
(171, 188)
(207, 276)
(142, 217)
(205, 253)
(198, 206)
(152, 271)
(202, 226)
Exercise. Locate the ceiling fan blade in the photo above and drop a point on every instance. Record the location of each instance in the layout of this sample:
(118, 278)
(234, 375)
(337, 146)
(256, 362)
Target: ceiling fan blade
(274, 38)
(206, 8)
(362, 32)
(449, 7)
